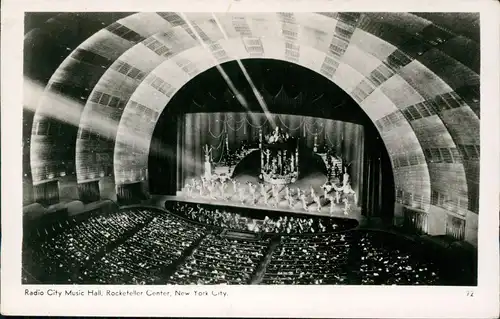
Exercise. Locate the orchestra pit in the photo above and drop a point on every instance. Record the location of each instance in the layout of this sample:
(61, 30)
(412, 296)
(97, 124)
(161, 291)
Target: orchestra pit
(245, 148)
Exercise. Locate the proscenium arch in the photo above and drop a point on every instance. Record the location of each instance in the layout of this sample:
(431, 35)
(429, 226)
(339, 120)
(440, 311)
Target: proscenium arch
(365, 86)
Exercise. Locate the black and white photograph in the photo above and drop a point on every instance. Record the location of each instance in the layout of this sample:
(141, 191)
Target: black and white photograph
(218, 149)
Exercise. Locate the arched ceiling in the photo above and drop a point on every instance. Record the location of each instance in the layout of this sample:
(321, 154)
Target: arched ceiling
(416, 79)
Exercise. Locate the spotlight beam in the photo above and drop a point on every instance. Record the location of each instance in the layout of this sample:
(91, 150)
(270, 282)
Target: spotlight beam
(239, 96)
(255, 91)
(66, 110)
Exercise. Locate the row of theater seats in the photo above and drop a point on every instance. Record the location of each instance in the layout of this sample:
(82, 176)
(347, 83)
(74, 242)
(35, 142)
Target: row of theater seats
(221, 260)
(310, 260)
(232, 218)
(145, 257)
(59, 257)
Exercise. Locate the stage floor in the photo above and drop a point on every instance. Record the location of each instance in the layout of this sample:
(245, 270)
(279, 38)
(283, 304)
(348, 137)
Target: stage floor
(159, 201)
(314, 180)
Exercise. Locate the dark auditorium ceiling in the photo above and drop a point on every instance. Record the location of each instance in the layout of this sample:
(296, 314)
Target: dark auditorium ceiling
(416, 76)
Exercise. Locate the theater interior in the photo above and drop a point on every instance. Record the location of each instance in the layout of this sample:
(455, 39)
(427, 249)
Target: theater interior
(251, 148)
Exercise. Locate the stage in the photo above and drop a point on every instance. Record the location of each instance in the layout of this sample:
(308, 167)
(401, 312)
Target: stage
(231, 198)
(159, 201)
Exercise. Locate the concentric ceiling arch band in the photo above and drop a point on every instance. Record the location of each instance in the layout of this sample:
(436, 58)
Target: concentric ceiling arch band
(406, 73)
(357, 36)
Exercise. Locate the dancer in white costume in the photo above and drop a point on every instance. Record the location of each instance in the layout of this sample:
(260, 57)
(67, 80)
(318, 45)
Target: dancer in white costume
(189, 189)
(241, 194)
(332, 205)
(199, 187)
(304, 202)
(235, 186)
(263, 193)
(327, 188)
(312, 192)
(222, 188)
(252, 188)
(346, 178)
(337, 193)
(347, 206)
(288, 197)
(347, 190)
(276, 195)
(316, 199)
(212, 189)
(290, 202)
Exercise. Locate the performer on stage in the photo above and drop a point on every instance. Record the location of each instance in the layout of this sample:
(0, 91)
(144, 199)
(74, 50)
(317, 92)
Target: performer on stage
(263, 193)
(241, 194)
(276, 195)
(290, 201)
(189, 189)
(347, 206)
(222, 188)
(327, 188)
(347, 190)
(252, 188)
(346, 178)
(304, 202)
(337, 193)
(235, 186)
(212, 189)
(289, 197)
(318, 202)
(199, 186)
(332, 205)
(312, 192)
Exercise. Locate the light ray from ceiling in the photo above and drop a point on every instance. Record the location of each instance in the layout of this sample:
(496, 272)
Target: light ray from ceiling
(255, 91)
(68, 111)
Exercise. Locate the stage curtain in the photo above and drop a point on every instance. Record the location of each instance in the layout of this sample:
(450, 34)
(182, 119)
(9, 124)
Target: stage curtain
(455, 227)
(89, 192)
(415, 221)
(132, 193)
(165, 156)
(46, 193)
(377, 193)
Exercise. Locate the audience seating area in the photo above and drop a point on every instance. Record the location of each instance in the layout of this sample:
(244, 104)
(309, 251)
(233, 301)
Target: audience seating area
(220, 260)
(391, 262)
(310, 260)
(151, 246)
(144, 257)
(62, 254)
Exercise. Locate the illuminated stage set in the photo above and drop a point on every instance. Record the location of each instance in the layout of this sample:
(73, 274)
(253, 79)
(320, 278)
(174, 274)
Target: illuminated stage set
(303, 147)
(275, 167)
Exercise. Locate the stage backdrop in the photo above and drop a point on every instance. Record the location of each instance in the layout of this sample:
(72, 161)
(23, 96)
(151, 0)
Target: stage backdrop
(200, 130)
(176, 152)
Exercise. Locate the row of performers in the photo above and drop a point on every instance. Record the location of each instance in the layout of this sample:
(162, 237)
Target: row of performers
(216, 189)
